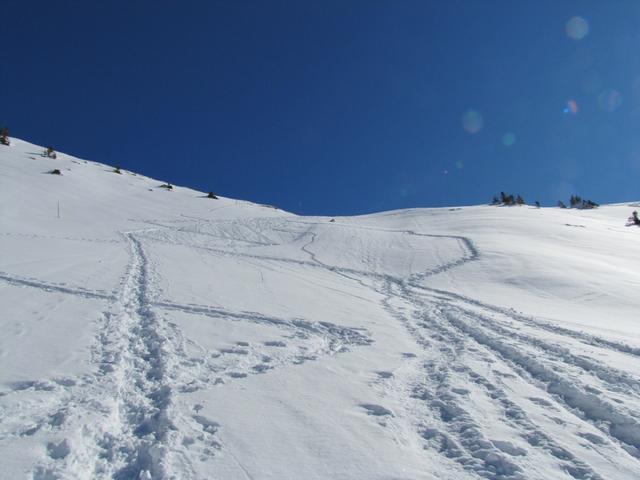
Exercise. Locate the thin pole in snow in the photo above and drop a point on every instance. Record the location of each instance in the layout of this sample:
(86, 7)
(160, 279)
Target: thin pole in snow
(58, 208)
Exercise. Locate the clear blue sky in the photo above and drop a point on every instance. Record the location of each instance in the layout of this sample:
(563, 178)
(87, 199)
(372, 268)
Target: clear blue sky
(336, 107)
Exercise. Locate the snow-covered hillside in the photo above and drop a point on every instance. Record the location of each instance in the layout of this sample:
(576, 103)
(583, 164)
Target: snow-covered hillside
(160, 334)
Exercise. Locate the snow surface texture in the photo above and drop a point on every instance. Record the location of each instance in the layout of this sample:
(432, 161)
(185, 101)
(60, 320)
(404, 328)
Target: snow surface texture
(160, 334)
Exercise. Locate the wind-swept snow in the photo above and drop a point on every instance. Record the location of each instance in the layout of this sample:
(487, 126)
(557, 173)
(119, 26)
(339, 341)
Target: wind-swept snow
(161, 334)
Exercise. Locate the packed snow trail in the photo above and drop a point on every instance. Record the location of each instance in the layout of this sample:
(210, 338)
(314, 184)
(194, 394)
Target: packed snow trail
(128, 400)
(139, 359)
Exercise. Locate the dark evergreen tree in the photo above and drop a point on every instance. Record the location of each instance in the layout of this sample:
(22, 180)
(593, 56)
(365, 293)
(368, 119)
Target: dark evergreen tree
(519, 200)
(575, 201)
(50, 152)
(4, 136)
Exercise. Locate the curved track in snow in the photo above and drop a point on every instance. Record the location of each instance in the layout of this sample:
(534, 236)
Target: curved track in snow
(563, 405)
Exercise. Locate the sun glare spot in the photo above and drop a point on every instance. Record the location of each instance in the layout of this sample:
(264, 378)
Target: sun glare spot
(577, 28)
(472, 121)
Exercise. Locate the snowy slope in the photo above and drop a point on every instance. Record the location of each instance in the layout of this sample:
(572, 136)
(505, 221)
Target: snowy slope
(160, 334)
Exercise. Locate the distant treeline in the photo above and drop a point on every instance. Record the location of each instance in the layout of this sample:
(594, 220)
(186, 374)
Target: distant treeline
(509, 199)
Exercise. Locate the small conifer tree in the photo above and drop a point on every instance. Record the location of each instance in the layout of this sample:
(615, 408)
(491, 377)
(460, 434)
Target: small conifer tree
(575, 201)
(50, 152)
(561, 204)
(4, 136)
(519, 200)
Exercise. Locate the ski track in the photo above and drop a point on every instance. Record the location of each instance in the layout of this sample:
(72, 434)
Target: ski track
(459, 437)
(54, 287)
(143, 363)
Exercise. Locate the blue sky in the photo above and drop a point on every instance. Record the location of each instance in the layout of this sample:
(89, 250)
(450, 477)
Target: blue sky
(336, 107)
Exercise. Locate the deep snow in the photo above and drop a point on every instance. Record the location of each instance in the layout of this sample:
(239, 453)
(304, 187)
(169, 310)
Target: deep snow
(160, 334)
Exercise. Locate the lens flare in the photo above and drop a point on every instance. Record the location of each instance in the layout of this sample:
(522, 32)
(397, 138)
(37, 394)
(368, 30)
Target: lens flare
(577, 28)
(571, 107)
(610, 100)
(472, 121)
(508, 139)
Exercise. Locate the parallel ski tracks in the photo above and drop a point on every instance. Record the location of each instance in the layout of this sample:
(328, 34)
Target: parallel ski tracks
(138, 352)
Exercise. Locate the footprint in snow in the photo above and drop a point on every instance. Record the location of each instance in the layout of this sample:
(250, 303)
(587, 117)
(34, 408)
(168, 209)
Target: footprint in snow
(595, 439)
(234, 351)
(261, 368)
(376, 410)
(460, 391)
(542, 402)
(58, 450)
(509, 448)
